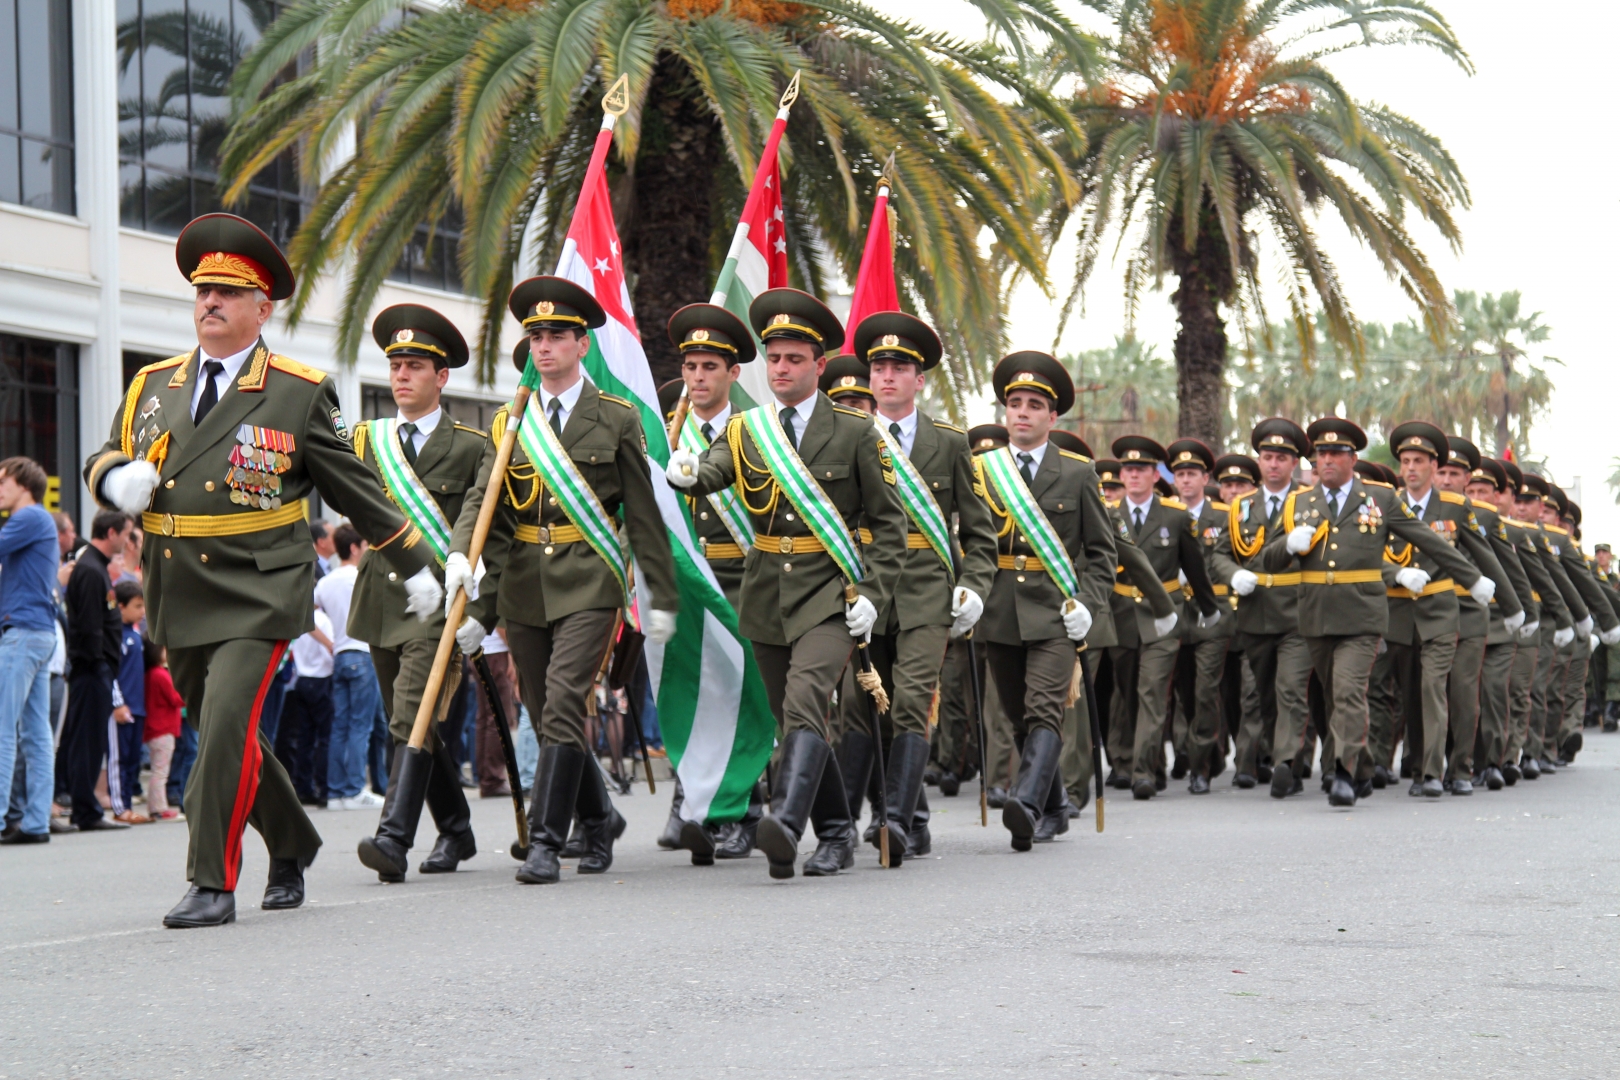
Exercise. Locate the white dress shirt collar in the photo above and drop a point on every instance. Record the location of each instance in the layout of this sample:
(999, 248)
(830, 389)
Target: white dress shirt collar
(1132, 506)
(1037, 452)
(717, 422)
(425, 426)
(802, 413)
(1419, 506)
(908, 428)
(232, 364)
(568, 398)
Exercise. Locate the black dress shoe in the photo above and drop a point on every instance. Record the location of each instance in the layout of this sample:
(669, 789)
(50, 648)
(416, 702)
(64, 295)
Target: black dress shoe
(385, 855)
(1118, 778)
(1364, 788)
(996, 797)
(1198, 785)
(949, 784)
(931, 775)
(735, 840)
(575, 847)
(1530, 768)
(919, 842)
(1143, 790)
(1510, 774)
(1160, 781)
(1262, 773)
(202, 907)
(1382, 777)
(1493, 778)
(1282, 781)
(699, 841)
(1572, 746)
(1547, 766)
(1459, 786)
(1433, 788)
(102, 824)
(1243, 780)
(1416, 790)
(17, 836)
(448, 853)
(285, 889)
(1343, 792)
(1179, 770)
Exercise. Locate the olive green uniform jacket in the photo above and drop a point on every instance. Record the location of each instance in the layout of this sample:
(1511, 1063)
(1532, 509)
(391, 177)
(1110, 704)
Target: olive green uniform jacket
(785, 592)
(1139, 571)
(1210, 526)
(447, 466)
(1168, 537)
(1441, 611)
(1273, 607)
(1495, 533)
(1026, 605)
(1372, 517)
(1545, 595)
(202, 588)
(531, 581)
(1574, 564)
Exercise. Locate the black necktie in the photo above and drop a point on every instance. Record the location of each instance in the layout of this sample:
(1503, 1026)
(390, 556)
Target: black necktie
(556, 416)
(787, 426)
(1026, 466)
(1276, 501)
(894, 429)
(210, 391)
(708, 432)
(407, 441)
(1137, 511)
(1333, 506)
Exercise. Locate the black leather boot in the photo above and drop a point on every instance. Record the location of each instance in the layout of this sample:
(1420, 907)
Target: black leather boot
(736, 841)
(598, 820)
(574, 847)
(1055, 814)
(919, 840)
(202, 907)
(701, 840)
(551, 810)
(670, 838)
(805, 757)
(388, 852)
(902, 788)
(834, 825)
(447, 802)
(285, 889)
(1037, 766)
(854, 757)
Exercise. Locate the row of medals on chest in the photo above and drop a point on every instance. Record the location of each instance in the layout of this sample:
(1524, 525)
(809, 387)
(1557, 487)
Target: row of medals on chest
(254, 477)
(1368, 516)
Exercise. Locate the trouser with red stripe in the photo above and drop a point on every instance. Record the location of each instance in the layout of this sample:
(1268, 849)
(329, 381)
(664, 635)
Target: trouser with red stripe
(236, 781)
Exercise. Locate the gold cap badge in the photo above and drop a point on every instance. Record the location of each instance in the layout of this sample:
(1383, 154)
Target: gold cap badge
(545, 307)
(783, 319)
(889, 339)
(699, 335)
(405, 335)
(846, 380)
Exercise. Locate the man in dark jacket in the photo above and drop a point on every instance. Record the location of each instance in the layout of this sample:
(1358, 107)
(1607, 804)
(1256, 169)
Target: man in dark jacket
(94, 643)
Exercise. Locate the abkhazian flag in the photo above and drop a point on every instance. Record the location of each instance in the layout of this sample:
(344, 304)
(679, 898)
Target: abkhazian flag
(716, 720)
(758, 257)
(874, 283)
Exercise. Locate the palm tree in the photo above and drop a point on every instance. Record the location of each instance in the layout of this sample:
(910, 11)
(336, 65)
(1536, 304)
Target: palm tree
(1216, 119)
(1128, 389)
(1494, 325)
(490, 107)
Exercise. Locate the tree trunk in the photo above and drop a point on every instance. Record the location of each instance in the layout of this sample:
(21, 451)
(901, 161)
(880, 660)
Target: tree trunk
(1502, 431)
(667, 246)
(1200, 360)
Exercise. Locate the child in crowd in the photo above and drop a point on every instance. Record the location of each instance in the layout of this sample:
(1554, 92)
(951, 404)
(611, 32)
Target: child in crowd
(163, 706)
(129, 707)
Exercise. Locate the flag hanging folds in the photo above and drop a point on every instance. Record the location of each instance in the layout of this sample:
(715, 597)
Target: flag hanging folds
(874, 283)
(712, 708)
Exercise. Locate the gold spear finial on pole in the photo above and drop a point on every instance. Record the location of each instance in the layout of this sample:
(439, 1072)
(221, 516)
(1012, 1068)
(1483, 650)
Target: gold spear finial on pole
(791, 94)
(616, 102)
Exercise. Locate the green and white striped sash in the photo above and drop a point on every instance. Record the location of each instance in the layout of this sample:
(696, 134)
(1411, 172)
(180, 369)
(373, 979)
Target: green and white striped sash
(1026, 514)
(406, 489)
(920, 505)
(574, 495)
(807, 497)
(725, 501)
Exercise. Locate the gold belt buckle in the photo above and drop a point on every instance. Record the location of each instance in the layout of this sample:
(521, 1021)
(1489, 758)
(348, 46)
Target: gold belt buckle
(785, 545)
(1018, 562)
(544, 534)
(168, 524)
(1330, 577)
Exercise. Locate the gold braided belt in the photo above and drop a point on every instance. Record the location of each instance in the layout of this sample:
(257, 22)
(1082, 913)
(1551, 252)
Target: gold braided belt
(1019, 562)
(801, 545)
(1131, 590)
(1444, 585)
(1339, 577)
(918, 542)
(541, 534)
(190, 525)
(717, 551)
(1276, 581)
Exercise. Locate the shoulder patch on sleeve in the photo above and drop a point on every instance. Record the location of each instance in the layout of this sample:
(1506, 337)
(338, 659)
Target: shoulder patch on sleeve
(1075, 456)
(362, 432)
(616, 399)
(1453, 497)
(950, 427)
(853, 412)
(294, 367)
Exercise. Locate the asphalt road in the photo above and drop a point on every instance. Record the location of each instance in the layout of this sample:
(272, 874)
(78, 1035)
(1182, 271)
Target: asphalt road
(1225, 936)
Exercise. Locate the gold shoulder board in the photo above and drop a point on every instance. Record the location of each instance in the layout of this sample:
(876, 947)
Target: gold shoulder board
(293, 367)
(1453, 497)
(949, 427)
(1075, 456)
(616, 399)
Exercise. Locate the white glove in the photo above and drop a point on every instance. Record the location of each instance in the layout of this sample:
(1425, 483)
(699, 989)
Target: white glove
(1513, 622)
(1528, 630)
(1584, 626)
(470, 635)
(1563, 637)
(860, 617)
(1076, 620)
(458, 574)
(1163, 626)
(1299, 539)
(423, 594)
(1593, 638)
(683, 468)
(129, 487)
(1482, 590)
(1412, 579)
(1610, 637)
(1207, 621)
(1244, 582)
(1181, 576)
(966, 607)
(659, 626)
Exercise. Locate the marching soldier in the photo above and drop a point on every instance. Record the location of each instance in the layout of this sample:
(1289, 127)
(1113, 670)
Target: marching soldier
(847, 382)
(1477, 694)
(1192, 463)
(425, 461)
(938, 593)
(555, 569)
(713, 344)
(1268, 612)
(808, 472)
(215, 451)
(1605, 606)
(1529, 507)
(1556, 533)
(1334, 534)
(1383, 696)
(1054, 565)
(1145, 658)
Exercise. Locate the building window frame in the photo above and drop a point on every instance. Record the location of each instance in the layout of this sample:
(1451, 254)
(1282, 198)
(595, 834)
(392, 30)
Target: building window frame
(59, 144)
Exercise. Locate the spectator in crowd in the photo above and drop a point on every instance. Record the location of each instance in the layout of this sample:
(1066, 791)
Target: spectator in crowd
(163, 708)
(67, 535)
(303, 743)
(355, 694)
(130, 567)
(28, 558)
(326, 558)
(489, 756)
(126, 728)
(94, 645)
(275, 695)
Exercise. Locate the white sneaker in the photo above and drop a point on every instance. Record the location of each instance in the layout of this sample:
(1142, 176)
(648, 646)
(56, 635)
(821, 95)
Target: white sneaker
(335, 803)
(366, 800)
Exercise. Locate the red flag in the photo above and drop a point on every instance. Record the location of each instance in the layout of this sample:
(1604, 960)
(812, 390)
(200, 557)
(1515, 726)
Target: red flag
(1507, 454)
(874, 282)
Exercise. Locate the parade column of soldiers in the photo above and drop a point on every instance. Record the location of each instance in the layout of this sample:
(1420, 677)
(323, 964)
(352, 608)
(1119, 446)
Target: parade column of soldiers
(869, 550)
